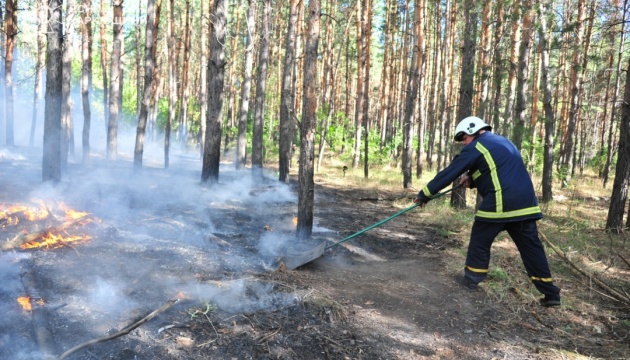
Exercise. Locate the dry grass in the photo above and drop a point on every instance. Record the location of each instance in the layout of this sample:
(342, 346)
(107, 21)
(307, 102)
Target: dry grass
(574, 222)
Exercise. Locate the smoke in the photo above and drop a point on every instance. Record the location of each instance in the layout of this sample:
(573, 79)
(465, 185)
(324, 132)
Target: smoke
(243, 296)
(10, 271)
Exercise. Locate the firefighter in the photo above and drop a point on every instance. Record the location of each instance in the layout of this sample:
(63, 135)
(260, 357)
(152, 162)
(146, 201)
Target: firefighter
(493, 165)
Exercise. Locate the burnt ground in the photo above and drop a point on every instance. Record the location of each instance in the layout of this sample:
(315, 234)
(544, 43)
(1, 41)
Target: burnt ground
(217, 253)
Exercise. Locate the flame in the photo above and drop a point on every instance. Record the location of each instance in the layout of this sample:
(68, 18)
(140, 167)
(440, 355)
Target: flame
(72, 214)
(25, 302)
(295, 221)
(54, 241)
(29, 213)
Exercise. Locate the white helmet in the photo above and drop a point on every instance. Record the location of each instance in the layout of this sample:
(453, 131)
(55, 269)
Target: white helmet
(470, 126)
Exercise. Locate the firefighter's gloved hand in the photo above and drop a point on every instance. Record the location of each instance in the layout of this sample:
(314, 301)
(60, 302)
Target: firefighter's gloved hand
(466, 182)
(420, 200)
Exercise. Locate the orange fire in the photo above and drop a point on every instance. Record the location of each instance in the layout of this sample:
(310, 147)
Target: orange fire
(29, 213)
(52, 241)
(71, 214)
(295, 221)
(25, 301)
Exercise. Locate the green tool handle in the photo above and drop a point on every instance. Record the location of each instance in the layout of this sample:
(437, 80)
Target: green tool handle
(390, 218)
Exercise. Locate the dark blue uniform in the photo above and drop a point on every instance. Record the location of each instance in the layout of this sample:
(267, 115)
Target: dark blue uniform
(509, 203)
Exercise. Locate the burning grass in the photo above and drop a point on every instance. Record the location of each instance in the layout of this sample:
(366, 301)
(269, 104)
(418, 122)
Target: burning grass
(37, 226)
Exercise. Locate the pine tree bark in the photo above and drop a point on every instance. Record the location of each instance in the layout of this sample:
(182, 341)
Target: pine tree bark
(576, 78)
(261, 88)
(149, 65)
(10, 30)
(104, 59)
(522, 89)
(550, 121)
(185, 86)
(360, 94)
(39, 66)
(421, 111)
(497, 67)
(366, 91)
(203, 69)
(86, 75)
(613, 111)
(67, 140)
(515, 41)
(619, 195)
(172, 80)
(114, 91)
(466, 85)
(306, 187)
(246, 86)
(51, 159)
(287, 97)
(216, 69)
(411, 92)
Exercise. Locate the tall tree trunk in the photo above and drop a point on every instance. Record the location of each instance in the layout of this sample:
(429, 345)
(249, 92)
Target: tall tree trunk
(411, 94)
(515, 40)
(184, 87)
(576, 78)
(231, 77)
(149, 65)
(445, 100)
(216, 65)
(39, 65)
(287, 97)
(203, 69)
(138, 53)
(484, 62)
(112, 124)
(466, 86)
(86, 75)
(172, 80)
(497, 68)
(67, 141)
(361, 66)
(534, 116)
(613, 111)
(261, 87)
(306, 188)
(51, 159)
(523, 74)
(550, 121)
(366, 85)
(422, 59)
(3, 125)
(10, 30)
(434, 106)
(622, 171)
(104, 60)
(246, 86)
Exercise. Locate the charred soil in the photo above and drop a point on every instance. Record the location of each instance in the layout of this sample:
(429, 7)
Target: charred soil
(389, 294)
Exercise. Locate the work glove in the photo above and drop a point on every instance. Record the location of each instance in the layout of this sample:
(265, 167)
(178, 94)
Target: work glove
(421, 200)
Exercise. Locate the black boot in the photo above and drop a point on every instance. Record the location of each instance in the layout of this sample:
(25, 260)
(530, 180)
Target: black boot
(550, 300)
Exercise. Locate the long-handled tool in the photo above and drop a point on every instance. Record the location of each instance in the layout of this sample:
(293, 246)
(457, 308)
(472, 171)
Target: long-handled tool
(294, 260)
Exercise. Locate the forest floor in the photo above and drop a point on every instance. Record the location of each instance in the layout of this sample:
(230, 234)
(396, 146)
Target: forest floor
(391, 293)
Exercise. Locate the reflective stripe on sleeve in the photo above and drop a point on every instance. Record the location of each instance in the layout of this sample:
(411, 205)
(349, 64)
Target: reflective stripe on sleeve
(498, 192)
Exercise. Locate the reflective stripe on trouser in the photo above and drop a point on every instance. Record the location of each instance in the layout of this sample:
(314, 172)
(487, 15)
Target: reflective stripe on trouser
(525, 236)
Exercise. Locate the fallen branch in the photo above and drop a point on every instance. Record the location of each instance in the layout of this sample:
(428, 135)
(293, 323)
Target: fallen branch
(122, 332)
(624, 260)
(21, 239)
(612, 292)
